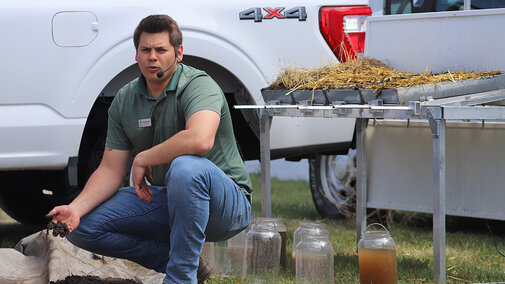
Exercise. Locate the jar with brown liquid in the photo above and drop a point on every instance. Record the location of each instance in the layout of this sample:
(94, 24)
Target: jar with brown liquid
(377, 256)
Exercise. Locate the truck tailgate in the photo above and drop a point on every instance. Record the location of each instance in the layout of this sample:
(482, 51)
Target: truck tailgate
(471, 40)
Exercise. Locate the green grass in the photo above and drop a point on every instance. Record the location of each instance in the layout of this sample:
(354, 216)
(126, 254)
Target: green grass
(471, 256)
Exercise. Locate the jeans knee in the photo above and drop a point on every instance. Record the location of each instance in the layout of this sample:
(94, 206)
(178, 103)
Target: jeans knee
(83, 235)
(78, 238)
(187, 178)
(184, 168)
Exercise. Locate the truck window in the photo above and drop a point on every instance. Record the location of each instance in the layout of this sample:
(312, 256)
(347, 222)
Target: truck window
(393, 7)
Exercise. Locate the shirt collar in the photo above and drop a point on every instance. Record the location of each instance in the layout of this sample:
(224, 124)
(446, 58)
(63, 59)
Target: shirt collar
(141, 87)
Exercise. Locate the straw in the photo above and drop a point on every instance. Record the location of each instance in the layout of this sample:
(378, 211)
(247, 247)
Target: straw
(364, 73)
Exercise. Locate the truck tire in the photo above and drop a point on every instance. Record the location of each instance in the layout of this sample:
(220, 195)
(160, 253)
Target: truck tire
(95, 156)
(332, 184)
(29, 208)
(23, 199)
(30, 205)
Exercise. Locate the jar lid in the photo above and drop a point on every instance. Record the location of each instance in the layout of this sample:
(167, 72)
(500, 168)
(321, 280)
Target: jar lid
(265, 225)
(277, 221)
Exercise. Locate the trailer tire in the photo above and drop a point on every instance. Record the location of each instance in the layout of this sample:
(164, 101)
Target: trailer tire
(332, 184)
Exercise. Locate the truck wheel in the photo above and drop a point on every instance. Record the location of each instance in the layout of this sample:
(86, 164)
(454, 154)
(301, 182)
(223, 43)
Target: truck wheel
(30, 205)
(94, 157)
(332, 183)
(28, 208)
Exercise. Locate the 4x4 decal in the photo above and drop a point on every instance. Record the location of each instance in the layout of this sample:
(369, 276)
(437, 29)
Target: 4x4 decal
(257, 15)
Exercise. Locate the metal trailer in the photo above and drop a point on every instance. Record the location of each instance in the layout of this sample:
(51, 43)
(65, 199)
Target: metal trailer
(384, 180)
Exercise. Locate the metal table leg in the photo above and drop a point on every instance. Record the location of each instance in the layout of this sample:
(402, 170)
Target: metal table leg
(266, 197)
(439, 263)
(361, 186)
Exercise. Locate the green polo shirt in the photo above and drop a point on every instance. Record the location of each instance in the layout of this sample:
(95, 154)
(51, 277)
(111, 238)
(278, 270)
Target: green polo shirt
(138, 121)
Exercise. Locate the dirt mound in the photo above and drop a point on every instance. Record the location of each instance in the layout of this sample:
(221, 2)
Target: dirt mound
(93, 280)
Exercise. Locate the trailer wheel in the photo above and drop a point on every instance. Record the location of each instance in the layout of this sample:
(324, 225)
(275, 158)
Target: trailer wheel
(332, 183)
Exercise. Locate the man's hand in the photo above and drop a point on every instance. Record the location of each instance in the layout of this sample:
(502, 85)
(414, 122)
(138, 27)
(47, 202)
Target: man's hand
(139, 175)
(66, 215)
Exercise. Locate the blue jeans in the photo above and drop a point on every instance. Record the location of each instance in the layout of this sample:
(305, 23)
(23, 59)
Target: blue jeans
(199, 202)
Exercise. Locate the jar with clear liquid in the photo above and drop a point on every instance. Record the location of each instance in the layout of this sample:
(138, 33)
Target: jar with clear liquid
(281, 228)
(305, 229)
(377, 256)
(236, 253)
(314, 260)
(262, 253)
(222, 263)
(208, 253)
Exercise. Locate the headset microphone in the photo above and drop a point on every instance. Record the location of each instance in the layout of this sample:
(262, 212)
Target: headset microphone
(160, 74)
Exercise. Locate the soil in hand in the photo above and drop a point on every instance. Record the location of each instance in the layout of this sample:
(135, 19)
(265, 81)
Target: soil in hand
(58, 228)
(73, 279)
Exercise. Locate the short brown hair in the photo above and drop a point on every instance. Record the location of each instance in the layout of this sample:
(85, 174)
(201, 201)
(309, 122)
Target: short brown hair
(157, 24)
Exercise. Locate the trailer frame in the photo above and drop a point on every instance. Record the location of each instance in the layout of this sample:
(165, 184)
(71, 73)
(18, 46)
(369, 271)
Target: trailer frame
(465, 108)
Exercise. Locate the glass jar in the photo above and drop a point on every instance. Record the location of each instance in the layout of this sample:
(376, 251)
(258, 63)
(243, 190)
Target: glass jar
(222, 263)
(208, 253)
(236, 253)
(377, 256)
(262, 253)
(314, 260)
(305, 229)
(281, 228)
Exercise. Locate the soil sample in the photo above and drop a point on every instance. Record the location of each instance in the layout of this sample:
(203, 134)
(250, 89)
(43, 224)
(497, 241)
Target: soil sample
(58, 228)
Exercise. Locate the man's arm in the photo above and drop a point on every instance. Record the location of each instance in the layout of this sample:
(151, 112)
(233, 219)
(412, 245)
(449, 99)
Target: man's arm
(102, 184)
(196, 139)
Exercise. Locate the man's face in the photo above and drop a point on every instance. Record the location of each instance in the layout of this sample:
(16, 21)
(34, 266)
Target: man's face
(155, 54)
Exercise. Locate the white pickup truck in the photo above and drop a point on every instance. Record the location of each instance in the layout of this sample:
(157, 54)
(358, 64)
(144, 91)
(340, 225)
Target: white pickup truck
(63, 62)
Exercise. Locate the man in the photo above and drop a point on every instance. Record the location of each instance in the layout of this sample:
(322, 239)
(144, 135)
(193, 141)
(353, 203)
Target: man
(175, 120)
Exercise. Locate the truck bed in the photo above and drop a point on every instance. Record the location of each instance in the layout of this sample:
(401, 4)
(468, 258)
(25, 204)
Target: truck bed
(399, 96)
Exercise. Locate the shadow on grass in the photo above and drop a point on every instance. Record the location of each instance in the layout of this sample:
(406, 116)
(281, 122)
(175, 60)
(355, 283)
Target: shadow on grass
(412, 267)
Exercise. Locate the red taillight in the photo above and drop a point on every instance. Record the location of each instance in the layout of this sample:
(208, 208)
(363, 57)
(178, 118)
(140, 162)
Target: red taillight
(343, 28)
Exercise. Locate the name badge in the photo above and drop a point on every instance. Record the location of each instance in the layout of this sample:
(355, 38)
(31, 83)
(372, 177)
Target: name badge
(146, 122)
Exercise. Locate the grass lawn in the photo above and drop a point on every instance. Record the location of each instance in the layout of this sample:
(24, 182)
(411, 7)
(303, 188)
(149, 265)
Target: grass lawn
(471, 254)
